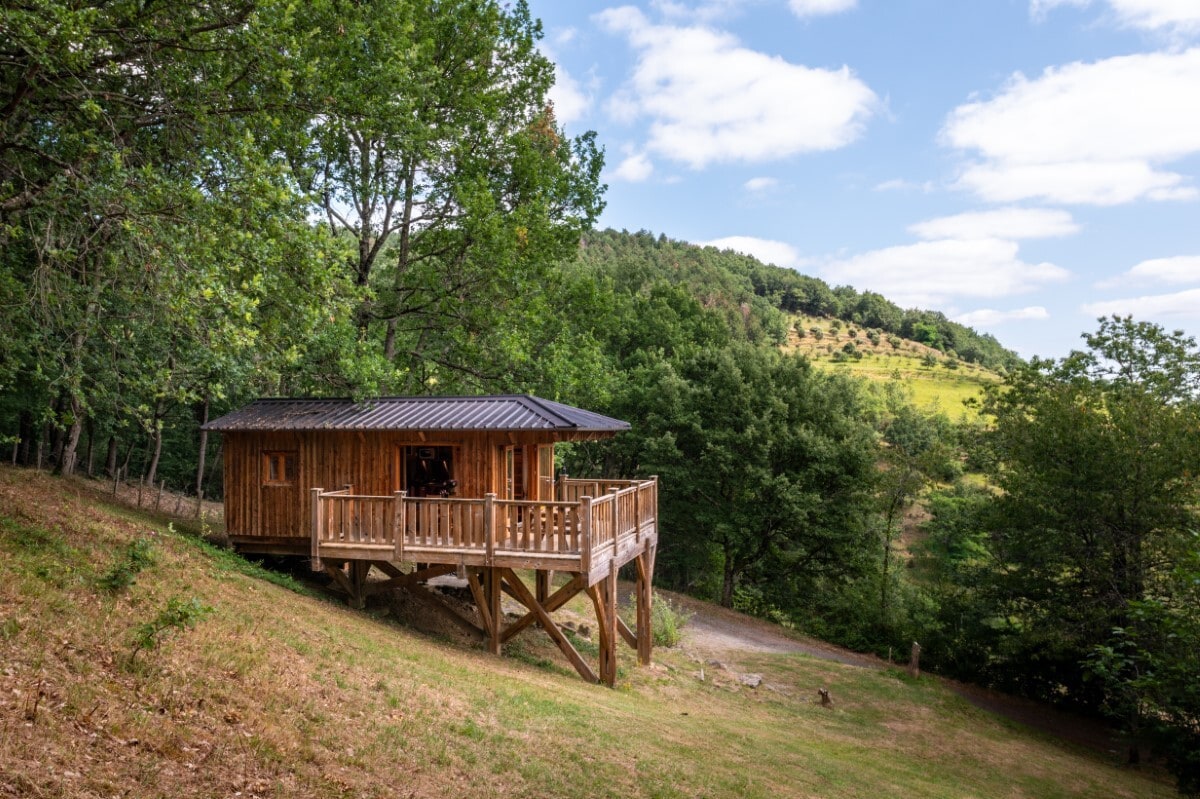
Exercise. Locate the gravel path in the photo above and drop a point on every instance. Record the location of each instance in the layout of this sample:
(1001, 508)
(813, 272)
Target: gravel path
(714, 632)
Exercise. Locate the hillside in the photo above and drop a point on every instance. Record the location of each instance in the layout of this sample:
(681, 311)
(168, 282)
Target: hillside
(936, 382)
(278, 691)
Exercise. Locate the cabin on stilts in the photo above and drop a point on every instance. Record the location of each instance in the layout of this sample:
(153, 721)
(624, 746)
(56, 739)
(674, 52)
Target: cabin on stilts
(421, 487)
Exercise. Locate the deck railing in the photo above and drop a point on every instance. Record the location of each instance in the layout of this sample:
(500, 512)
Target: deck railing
(576, 532)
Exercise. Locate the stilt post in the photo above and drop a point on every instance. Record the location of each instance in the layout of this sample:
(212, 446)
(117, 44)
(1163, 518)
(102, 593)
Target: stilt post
(315, 493)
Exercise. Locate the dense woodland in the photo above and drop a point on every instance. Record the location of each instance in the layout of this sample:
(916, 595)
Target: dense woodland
(206, 202)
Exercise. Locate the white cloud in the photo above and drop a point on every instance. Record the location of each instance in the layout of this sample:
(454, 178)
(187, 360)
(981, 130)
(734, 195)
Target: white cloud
(815, 8)
(1094, 133)
(1002, 223)
(635, 168)
(1183, 304)
(899, 184)
(1178, 270)
(987, 317)
(1172, 16)
(571, 103)
(710, 100)
(760, 184)
(932, 274)
(768, 251)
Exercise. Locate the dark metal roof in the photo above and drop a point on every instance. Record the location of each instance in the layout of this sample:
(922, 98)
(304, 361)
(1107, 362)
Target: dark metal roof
(500, 412)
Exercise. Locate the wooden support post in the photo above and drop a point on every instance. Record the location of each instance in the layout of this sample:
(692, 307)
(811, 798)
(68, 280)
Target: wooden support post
(315, 494)
(480, 595)
(358, 579)
(604, 597)
(489, 528)
(399, 523)
(518, 590)
(645, 596)
(542, 585)
(491, 585)
(556, 600)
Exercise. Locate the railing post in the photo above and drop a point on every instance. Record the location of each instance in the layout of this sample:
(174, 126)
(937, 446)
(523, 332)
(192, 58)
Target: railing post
(616, 517)
(315, 493)
(562, 486)
(398, 525)
(489, 527)
(637, 513)
(585, 513)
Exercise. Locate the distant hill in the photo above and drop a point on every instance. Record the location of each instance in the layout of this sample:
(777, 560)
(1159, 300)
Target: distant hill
(771, 295)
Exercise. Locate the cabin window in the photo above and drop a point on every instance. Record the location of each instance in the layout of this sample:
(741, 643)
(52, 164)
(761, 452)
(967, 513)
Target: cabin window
(280, 468)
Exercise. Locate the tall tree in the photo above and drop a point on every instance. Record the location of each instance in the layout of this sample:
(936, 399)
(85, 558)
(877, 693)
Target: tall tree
(1096, 458)
(436, 152)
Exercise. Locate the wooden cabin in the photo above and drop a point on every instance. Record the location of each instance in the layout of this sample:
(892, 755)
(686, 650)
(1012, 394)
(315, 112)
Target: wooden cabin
(420, 487)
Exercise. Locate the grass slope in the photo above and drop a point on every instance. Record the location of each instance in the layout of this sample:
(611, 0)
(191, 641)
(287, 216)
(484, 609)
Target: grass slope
(942, 387)
(279, 693)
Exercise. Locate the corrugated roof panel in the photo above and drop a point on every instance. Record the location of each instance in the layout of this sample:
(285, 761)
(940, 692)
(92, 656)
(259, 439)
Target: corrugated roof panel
(497, 412)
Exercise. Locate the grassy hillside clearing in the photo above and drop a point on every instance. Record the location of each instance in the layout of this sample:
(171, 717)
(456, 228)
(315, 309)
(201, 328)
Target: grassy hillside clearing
(936, 387)
(279, 693)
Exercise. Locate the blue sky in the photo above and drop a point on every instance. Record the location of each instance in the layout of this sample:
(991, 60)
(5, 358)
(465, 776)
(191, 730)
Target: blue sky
(1023, 166)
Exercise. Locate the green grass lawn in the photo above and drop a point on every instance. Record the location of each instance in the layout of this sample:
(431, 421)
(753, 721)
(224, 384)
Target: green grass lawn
(284, 694)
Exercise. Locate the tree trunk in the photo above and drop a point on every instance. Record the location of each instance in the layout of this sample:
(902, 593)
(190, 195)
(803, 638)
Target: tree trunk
(110, 461)
(728, 579)
(91, 439)
(152, 472)
(203, 451)
(70, 445)
(27, 433)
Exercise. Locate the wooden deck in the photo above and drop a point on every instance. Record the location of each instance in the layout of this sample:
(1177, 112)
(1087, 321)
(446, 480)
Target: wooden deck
(597, 526)
(591, 531)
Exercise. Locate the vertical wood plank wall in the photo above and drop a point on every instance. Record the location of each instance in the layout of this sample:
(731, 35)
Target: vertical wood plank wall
(366, 460)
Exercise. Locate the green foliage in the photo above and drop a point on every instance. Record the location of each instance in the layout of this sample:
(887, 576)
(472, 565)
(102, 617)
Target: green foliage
(138, 555)
(175, 617)
(667, 620)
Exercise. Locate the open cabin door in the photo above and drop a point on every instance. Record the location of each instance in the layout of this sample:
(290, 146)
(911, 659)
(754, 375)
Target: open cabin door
(427, 471)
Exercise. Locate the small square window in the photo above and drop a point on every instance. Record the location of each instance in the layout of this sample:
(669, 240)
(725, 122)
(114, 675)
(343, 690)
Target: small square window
(279, 468)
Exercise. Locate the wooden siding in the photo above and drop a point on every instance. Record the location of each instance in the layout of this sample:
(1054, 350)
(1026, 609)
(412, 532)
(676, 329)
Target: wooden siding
(371, 462)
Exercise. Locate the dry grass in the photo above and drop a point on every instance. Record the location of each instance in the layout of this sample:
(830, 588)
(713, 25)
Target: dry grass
(282, 694)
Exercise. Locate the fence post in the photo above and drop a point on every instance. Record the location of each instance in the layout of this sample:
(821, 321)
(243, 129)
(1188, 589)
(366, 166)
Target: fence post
(398, 525)
(315, 493)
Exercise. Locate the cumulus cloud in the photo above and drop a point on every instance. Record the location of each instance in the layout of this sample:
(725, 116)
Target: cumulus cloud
(636, 168)
(1002, 223)
(987, 317)
(1179, 270)
(1183, 304)
(1173, 16)
(817, 8)
(1096, 133)
(710, 100)
(760, 184)
(937, 273)
(768, 251)
(571, 103)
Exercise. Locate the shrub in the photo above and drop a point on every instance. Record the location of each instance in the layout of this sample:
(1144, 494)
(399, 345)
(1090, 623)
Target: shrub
(666, 620)
(177, 616)
(138, 554)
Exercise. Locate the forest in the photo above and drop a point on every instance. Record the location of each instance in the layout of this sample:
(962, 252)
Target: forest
(206, 202)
